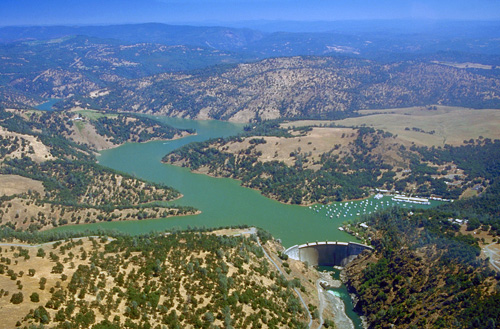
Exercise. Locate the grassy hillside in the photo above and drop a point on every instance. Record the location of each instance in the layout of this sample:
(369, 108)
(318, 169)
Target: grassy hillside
(431, 125)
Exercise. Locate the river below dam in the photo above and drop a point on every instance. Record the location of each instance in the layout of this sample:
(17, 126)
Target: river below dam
(223, 201)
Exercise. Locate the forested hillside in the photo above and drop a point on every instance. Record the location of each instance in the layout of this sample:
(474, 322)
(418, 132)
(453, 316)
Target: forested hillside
(324, 164)
(180, 280)
(426, 271)
(49, 180)
(314, 87)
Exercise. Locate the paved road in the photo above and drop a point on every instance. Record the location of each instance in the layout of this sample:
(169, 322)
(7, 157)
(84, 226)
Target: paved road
(295, 289)
(321, 303)
(493, 252)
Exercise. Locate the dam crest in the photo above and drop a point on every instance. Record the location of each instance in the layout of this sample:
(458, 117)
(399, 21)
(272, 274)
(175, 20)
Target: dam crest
(326, 253)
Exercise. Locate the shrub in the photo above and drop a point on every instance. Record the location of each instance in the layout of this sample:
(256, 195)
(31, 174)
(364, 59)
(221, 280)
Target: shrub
(17, 298)
(35, 298)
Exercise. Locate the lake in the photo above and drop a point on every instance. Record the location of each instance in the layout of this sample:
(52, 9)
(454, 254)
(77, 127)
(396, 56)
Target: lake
(222, 201)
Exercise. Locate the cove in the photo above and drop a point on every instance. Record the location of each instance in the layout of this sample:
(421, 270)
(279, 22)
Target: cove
(222, 201)
(47, 106)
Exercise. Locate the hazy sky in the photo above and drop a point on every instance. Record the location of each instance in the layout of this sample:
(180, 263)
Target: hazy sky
(80, 12)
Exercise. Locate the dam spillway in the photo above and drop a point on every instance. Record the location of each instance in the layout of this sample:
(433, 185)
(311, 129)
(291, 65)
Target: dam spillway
(326, 253)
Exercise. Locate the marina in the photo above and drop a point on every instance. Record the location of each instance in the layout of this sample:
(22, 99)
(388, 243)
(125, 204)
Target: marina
(351, 209)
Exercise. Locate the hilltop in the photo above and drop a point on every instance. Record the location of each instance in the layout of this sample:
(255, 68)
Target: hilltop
(296, 87)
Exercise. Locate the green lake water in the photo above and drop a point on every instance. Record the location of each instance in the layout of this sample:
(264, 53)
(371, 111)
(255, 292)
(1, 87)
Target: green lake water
(47, 106)
(223, 201)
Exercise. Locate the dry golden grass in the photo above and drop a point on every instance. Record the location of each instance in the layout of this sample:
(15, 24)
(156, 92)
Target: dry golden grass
(10, 313)
(40, 151)
(23, 212)
(315, 143)
(311, 146)
(85, 133)
(452, 125)
(468, 193)
(14, 184)
(72, 258)
(479, 233)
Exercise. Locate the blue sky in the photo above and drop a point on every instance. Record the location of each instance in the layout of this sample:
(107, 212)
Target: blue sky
(82, 12)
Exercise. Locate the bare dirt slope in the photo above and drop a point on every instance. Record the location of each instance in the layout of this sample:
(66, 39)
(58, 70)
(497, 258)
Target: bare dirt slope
(85, 133)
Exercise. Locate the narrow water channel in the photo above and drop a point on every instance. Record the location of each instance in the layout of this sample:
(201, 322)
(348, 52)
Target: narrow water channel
(343, 294)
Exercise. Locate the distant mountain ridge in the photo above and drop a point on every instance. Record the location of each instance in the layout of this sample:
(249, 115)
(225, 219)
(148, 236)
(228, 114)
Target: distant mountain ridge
(372, 39)
(215, 37)
(81, 62)
(75, 65)
(314, 87)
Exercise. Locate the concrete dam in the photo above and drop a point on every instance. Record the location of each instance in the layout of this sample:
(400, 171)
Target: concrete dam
(326, 253)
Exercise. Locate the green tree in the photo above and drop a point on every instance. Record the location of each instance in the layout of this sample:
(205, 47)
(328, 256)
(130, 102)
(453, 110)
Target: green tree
(17, 298)
(35, 298)
(41, 314)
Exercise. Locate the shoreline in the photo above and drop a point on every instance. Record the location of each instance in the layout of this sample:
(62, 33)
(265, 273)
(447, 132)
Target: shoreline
(176, 137)
(44, 229)
(112, 146)
(65, 215)
(271, 197)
